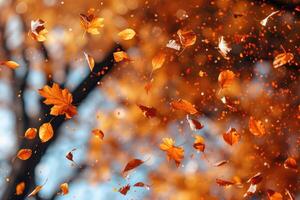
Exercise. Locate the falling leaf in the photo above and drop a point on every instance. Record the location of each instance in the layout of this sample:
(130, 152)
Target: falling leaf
(120, 56)
(10, 64)
(231, 137)
(37, 189)
(126, 34)
(265, 20)
(91, 23)
(290, 163)
(64, 188)
(158, 60)
(173, 45)
(222, 182)
(148, 86)
(272, 195)
(257, 178)
(148, 112)
(226, 79)
(184, 105)
(199, 143)
(291, 197)
(20, 188)
(132, 164)
(61, 99)
(24, 154)
(38, 31)
(173, 152)
(98, 133)
(69, 155)
(251, 190)
(256, 127)
(194, 124)
(45, 132)
(223, 48)
(282, 59)
(186, 37)
(141, 184)
(125, 189)
(30, 133)
(220, 163)
(90, 61)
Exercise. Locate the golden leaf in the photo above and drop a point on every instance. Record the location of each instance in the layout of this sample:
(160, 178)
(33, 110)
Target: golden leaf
(173, 152)
(187, 37)
(61, 99)
(10, 64)
(64, 187)
(24, 154)
(231, 137)
(256, 127)
(120, 56)
(30, 133)
(127, 34)
(91, 23)
(282, 59)
(199, 143)
(98, 133)
(45, 132)
(184, 105)
(158, 61)
(90, 61)
(38, 31)
(226, 79)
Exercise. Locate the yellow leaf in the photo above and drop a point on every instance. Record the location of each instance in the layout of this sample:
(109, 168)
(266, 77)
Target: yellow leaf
(173, 152)
(91, 23)
(10, 64)
(45, 132)
(120, 56)
(127, 34)
(90, 61)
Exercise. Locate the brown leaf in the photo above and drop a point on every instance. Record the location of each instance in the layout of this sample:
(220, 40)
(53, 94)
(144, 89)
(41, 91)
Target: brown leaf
(24, 154)
(121, 56)
(272, 195)
(90, 61)
(222, 182)
(64, 187)
(98, 133)
(220, 163)
(173, 152)
(256, 127)
(199, 143)
(141, 184)
(184, 105)
(231, 137)
(282, 59)
(61, 99)
(127, 34)
(290, 163)
(45, 132)
(125, 189)
(38, 31)
(20, 188)
(10, 64)
(30, 133)
(132, 164)
(148, 112)
(226, 79)
(187, 37)
(69, 155)
(257, 178)
(158, 60)
(91, 23)
(194, 124)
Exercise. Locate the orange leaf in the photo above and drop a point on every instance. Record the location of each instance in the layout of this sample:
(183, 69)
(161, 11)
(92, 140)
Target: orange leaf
(98, 133)
(187, 37)
(220, 163)
(173, 152)
(10, 64)
(91, 23)
(132, 164)
(120, 56)
(184, 105)
(149, 112)
(125, 189)
(141, 184)
(24, 154)
(256, 127)
(231, 137)
(127, 34)
(20, 188)
(30, 133)
(194, 124)
(158, 61)
(226, 79)
(38, 31)
(282, 59)
(290, 163)
(272, 195)
(199, 143)
(90, 61)
(45, 132)
(64, 187)
(257, 178)
(222, 182)
(61, 99)
(36, 190)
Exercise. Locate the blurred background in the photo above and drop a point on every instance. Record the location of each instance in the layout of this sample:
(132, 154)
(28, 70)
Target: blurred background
(110, 104)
